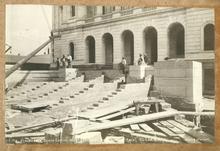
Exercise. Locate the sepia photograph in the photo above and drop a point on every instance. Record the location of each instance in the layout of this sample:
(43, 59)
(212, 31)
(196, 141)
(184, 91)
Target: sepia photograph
(93, 74)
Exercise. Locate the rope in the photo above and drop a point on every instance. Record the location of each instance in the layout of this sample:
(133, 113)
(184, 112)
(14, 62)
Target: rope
(46, 18)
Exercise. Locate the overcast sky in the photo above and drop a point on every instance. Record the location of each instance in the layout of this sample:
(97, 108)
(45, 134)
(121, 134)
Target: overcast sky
(27, 26)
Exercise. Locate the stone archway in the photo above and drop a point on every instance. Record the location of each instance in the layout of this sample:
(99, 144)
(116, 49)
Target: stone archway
(128, 46)
(90, 42)
(176, 36)
(209, 37)
(150, 40)
(71, 50)
(108, 48)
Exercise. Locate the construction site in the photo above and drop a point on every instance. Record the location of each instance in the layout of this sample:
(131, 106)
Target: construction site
(97, 99)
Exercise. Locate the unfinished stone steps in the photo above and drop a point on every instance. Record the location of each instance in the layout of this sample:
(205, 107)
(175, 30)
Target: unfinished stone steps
(49, 93)
(128, 93)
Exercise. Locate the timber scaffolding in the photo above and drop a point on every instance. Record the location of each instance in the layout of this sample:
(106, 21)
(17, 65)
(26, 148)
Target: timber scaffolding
(93, 112)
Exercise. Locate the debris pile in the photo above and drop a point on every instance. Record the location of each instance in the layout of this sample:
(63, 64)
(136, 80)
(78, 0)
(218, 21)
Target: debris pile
(96, 113)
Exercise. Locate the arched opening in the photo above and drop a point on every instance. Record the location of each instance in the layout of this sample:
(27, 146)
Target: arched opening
(128, 46)
(176, 35)
(150, 38)
(209, 37)
(71, 50)
(208, 79)
(90, 42)
(108, 48)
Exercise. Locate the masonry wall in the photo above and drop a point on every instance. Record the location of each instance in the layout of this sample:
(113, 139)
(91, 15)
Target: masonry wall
(179, 78)
(193, 21)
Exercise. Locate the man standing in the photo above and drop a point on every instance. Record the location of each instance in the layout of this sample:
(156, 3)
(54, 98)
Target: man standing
(147, 59)
(58, 63)
(123, 63)
(69, 60)
(63, 61)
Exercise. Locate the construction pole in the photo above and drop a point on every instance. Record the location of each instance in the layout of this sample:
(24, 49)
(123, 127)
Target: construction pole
(28, 57)
(8, 49)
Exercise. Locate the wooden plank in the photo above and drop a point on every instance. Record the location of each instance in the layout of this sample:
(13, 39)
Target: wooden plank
(185, 122)
(197, 113)
(39, 125)
(128, 121)
(25, 135)
(135, 127)
(147, 138)
(164, 129)
(184, 136)
(172, 127)
(181, 126)
(153, 133)
(146, 128)
(187, 137)
(117, 114)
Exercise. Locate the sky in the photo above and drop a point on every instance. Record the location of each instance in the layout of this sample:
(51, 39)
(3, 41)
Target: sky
(27, 27)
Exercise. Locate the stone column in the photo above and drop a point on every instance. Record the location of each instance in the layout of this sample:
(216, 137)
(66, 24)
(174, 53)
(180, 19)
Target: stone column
(98, 50)
(118, 51)
(99, 13)
(137, 10)
(80, 14)
(117, 12)
(99, 10)
(64, 13)
(197, 82)
(138, 44)
(162, 43)
(117, 8)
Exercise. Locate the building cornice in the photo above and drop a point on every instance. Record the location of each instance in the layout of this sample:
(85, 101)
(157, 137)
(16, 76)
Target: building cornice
(118, 19)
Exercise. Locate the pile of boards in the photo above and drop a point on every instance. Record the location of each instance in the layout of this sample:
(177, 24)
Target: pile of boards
(124, 126)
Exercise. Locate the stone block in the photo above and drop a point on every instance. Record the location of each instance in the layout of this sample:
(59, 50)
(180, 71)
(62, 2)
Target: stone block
(137, 71)
(88, 138)
(53, 136)
(69, 128)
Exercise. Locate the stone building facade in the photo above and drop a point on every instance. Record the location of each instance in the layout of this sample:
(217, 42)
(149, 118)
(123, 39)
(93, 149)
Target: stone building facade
(103, 35)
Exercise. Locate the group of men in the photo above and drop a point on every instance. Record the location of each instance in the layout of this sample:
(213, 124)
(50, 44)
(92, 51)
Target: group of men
(67, 61)
(64, 62)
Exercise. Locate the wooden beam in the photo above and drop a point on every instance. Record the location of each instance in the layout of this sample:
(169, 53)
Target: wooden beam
(25, 135)
(117, 114)
(164, 129)
(172, 127)
(128, 121)
(197, 113)
(148, 137)
(28, 57)
(39, 125)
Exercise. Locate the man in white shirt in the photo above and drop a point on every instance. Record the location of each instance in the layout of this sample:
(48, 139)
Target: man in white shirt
(69, 60)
